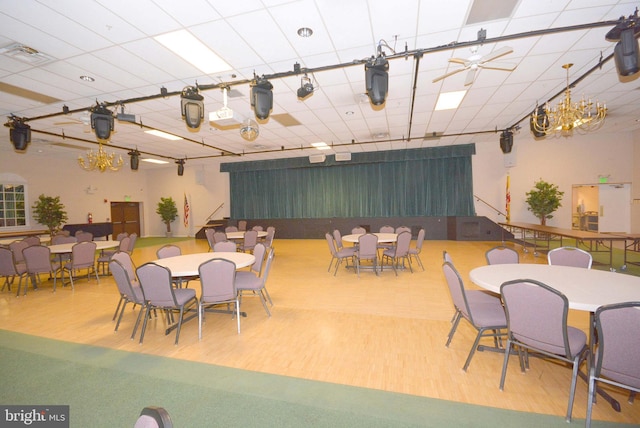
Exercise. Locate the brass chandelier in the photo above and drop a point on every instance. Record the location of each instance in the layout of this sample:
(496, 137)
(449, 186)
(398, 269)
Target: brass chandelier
(583, 116)
(100, 160)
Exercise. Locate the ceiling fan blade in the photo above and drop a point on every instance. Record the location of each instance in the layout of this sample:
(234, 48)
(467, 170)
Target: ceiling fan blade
(506, 66)
(496, 54)
(471, 76)
(459, 61)
(451, 73)
(68, 122)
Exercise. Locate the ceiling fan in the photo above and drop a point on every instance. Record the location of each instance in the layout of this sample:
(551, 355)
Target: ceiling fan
(475, 62)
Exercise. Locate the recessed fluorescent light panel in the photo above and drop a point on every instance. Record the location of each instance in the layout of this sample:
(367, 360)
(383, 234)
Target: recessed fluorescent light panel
(450, 100)
(321, 146)
(158, 161)
(194, 51)
(163, 135)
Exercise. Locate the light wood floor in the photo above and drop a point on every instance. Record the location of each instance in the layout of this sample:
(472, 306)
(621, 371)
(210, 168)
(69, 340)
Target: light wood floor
(383, 332)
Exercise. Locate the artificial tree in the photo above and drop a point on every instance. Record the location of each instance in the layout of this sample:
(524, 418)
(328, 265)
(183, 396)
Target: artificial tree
(49, 211)
(544, 199)
(168, 212)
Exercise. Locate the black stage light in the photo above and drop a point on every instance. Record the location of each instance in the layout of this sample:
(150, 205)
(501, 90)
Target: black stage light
(102, 122)
(135, 159)
(306, 88)
(506, 141)
(626, 53)
(19, 134)
(377, 79)
(192, 107)
(180, 163)
(262, 98)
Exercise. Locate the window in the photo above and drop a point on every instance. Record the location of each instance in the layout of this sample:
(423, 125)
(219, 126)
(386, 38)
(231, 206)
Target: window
(12, 205)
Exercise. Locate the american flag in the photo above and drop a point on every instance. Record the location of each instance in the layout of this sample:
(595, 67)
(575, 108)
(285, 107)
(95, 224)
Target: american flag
(186, 211)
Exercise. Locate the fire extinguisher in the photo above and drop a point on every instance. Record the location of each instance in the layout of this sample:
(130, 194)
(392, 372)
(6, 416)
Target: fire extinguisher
(90, 218)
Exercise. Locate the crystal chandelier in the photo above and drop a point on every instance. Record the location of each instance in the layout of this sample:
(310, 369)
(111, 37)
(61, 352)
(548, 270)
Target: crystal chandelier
(583, 115)
(100, 160)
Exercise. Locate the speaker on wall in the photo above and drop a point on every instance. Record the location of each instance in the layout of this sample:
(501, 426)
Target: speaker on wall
(506, 141)
(317, 158)
(626, 53)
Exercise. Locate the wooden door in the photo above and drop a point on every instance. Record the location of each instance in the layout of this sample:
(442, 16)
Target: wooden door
(125, 217)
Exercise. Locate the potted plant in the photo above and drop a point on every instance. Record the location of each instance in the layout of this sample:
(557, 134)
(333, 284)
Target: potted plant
(168, 212)
(543, 200)
(48, 211)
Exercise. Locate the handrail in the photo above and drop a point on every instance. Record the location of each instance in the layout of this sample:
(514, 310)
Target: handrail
(489, 205)
(214, 211)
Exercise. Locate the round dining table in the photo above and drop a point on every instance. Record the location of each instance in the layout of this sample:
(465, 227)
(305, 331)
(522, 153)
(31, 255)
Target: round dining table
(67, 247)
(382, 237)
(187, 264)
(232, 236)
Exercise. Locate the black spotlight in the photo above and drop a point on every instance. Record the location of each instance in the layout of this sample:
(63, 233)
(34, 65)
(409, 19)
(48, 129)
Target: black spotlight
(19, 134)
(626, 53)
(306, 88)
(506, 141)
(135, 159)
(377, 79)
(102, 122)
(192, 106)
(262, 98)
(540, 120)
(180, 163)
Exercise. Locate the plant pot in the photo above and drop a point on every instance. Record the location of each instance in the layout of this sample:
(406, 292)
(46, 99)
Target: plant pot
(168, 234)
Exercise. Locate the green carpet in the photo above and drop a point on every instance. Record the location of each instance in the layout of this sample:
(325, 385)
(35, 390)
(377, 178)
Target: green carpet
(108, 388)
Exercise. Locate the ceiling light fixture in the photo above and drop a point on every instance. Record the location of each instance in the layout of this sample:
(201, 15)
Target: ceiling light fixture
(567, 115)
(192, 50)
(163, 134)
(87, 78)
(305, 32)
(102, 122)
(377, 79)
(100, 160)
(321, 145)
(261, 98)
(306, 88)
(192, 107)
(449, 100)
(180, 163)
(19, 133)
(249, 130)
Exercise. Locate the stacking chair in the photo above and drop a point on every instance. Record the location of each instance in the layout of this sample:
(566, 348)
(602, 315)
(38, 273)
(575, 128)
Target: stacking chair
(337, 236)
(83, 256)
(16, 248)
(82, 236)
(257, 285)
(367, 251)
(130, 291)
(356, 231)
(218, 280)
(502, 255)
(126, 261)
(155, 281)
(268, 240)
(386, 245)
(256, 268)
(9, 269)
(38, 260)
(63, 239)
(225, 246)
(387, 229)
(537, 321)
(132, 242)
(400, 252)
(570, 256)
(168, 250)
(401, 229)
(105, 255)
(32, 240)
(446, 257)
(230, 229)
(483, 311)
(208, 232)
(415, 251)
(250, 240)
(338, 254)
(257, 228)
(617, 360)
(242, 225)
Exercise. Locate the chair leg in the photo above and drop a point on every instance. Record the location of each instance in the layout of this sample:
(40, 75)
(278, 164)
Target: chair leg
(121, 313)
(144, 324)
(473, 350)
(507, 351)
(456, 320)
(591, 396)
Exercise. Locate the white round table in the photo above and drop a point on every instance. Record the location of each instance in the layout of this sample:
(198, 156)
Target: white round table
(187, 264)
(382, 237)
(232, 236)
(586, 289)
(66, 247)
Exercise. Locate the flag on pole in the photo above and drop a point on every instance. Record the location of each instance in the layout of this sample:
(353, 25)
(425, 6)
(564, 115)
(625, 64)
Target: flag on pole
(186, 211)
(508, 201)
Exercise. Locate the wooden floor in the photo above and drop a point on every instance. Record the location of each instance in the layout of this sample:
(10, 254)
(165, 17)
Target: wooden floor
(383, 332)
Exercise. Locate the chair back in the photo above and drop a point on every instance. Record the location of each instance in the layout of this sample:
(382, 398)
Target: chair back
(401, 229)
(257, 228)
(121, 235)
(83, 254)
(337, 236)
(125, 260)
(125, 243)
(456, 290)
(570, 256)
(7, 265)
(258, 253)
(168, 250)
(420, 240)
(402, 244)
(217, 278)
(332, 243)
(38, 259)
(618, 354)
(84, 236)
(267, 266)
(357, 231)
(209, 232)
(225, 246)
(219, 237)
(268, 240)
(387, 229)
(242, 225)
(446, 257)
(537, 315)
(63, 239)
(155, 281)
(124, 281)
(231, 229)
(502, 255)
(32, 240)
(368, 246)
(250, 239)
(16, 248)
(132, 243)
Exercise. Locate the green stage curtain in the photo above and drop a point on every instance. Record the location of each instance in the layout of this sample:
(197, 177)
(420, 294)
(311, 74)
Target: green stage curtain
(434, 181)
